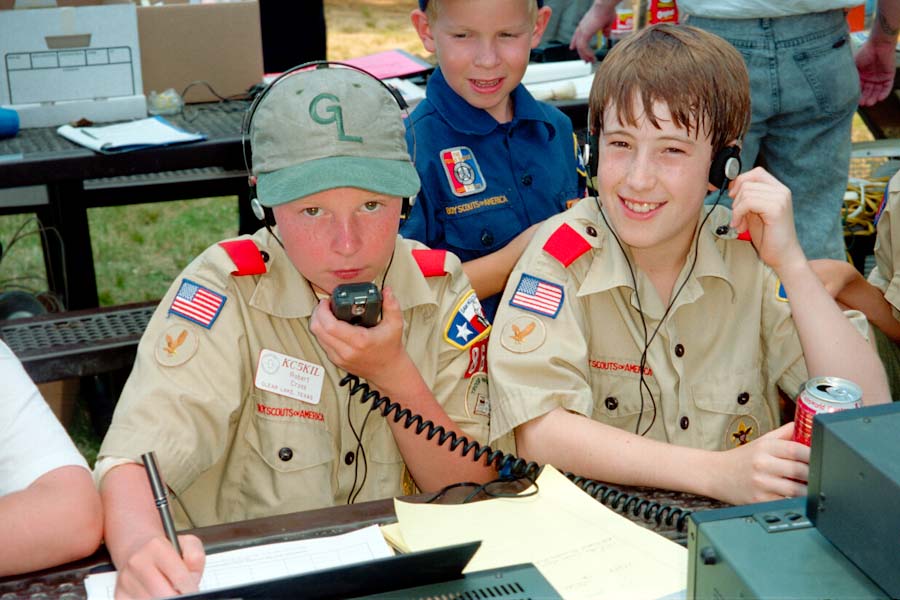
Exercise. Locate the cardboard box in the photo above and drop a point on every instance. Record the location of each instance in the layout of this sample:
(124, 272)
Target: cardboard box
(62, 397)
(181, 43)
(66, 63)
(218, 43)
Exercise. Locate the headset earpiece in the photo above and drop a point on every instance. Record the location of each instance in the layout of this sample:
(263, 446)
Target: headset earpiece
(726, 165)
(593, 158)
(406, 207)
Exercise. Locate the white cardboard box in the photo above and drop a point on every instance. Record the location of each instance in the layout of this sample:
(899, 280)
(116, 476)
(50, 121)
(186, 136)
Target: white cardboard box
(63, 64)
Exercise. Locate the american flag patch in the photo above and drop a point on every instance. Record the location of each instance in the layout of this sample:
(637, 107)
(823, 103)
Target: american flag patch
(197, 303)
(537, 295)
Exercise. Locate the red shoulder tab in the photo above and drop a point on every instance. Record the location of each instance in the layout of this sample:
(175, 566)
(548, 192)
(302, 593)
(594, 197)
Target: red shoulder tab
(745, 236)
(565, 245)
(431, 262)
(245, 256)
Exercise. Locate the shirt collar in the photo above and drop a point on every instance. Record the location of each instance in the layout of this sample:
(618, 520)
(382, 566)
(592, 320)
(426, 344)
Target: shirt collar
(610, 268)
(466, 119)
(283, 292)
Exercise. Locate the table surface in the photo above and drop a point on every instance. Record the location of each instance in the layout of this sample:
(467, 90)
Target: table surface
(66, 582)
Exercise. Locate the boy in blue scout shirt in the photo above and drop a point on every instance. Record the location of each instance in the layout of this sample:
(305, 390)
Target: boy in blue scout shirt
(493, 160)
(640, 340)
(236, 383)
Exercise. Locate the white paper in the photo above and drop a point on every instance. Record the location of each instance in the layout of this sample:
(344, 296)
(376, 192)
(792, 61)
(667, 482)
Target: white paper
(271, 561)
(133, 135)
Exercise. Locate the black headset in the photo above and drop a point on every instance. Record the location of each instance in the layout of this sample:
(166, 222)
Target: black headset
(265, 213)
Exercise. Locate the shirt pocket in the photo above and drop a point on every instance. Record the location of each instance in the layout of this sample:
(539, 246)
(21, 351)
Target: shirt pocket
(732, 409)
(386, 463)
(480, 231)
(618, 402)
(289, 464)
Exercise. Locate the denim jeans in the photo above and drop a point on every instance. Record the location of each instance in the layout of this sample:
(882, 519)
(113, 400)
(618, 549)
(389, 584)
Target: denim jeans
(804, 91)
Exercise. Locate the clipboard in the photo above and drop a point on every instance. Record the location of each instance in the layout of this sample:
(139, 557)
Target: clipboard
(361, 579)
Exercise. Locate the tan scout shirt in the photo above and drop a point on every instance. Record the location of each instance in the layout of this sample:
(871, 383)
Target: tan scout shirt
(712, 369)
(232, 451)
(885, 275)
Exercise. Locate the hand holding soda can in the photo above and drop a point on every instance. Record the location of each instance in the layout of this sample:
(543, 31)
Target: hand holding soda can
(822, 395)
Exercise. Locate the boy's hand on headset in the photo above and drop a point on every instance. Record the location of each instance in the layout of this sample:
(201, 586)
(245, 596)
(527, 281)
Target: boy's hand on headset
(762, 205)
(373, 353)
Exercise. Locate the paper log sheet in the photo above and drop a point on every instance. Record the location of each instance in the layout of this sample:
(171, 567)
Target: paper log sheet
(270, 561)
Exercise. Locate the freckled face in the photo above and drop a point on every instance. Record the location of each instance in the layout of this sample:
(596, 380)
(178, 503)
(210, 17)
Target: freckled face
(344, 235)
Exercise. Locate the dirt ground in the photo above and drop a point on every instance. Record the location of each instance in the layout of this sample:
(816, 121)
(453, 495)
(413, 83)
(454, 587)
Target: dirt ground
(360, 27)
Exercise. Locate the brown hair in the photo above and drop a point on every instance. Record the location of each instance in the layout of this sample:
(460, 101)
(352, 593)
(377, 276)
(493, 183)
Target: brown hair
(699, 76)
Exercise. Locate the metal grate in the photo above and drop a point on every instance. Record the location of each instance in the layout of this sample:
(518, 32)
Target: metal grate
(42, 336)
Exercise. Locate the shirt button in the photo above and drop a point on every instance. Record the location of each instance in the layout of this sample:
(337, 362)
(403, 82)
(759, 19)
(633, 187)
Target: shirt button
(348, 458)
(611, 403)
(591, 231)
(722, 230)
(679, 350)
(285, 454)
(264, 255)
(743, 398)
(487, 238)
(685, 422)
(526, 179)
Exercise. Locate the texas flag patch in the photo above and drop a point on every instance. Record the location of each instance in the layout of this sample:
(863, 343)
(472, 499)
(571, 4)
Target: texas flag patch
(538, 296)
(462, 171)
(468, 323)
(197, 303)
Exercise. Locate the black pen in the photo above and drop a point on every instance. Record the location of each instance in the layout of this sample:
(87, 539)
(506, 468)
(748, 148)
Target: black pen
(161, 498)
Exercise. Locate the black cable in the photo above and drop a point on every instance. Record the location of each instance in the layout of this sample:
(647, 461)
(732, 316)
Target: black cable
(511, 464)
(642, 384)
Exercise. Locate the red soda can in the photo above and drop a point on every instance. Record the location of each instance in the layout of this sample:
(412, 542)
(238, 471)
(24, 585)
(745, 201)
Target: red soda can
(822, 395)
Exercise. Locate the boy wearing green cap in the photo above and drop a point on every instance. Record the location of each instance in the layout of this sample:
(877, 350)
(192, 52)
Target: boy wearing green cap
(236, 385)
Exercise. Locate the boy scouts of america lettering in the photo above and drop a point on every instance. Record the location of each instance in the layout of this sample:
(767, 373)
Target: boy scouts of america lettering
(289, 376)
(336, 115)
(475, 205)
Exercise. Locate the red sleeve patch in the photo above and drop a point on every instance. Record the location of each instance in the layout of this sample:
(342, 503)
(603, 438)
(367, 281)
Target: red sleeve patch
(245, 256)
(431, 262)
(565, 245)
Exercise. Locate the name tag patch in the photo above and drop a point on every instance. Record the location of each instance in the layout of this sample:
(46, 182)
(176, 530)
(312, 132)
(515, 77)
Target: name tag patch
(288, 376)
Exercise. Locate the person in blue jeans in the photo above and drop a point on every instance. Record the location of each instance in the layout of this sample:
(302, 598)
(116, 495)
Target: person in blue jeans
(493, 160)
(805, 87)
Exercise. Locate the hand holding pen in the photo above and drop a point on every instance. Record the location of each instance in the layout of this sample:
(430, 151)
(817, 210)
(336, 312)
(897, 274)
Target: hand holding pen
(148, 567)
(161, 497)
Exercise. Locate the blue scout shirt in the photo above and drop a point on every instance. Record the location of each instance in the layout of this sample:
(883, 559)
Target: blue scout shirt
(484, 182)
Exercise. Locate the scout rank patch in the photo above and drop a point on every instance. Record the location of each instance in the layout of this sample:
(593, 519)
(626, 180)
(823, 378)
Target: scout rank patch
(538, 296)
(176, 345)
(743, 429)
(468, 323)
(462, 171)
(523, 334)
(197, 304)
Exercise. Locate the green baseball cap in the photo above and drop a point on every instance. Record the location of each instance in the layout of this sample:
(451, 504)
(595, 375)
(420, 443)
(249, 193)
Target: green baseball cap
(328, 128)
